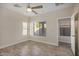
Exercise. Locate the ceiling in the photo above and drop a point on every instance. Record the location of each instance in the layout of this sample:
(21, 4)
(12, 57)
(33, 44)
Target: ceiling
(47, 7)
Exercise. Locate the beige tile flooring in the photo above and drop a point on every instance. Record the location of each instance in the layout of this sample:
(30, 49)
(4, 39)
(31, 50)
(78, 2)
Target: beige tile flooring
(32, 48)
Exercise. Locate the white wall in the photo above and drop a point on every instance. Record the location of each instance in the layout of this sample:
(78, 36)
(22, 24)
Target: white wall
(51, 19)
(11, 27)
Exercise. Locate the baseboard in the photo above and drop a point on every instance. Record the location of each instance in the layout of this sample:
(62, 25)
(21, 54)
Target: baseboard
(4, 46)
(45, 42)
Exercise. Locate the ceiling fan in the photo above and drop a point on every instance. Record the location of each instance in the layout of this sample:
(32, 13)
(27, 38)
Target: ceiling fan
(31, 9)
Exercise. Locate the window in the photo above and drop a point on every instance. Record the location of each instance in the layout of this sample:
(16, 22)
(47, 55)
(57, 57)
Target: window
(38, 28)
(24, 24)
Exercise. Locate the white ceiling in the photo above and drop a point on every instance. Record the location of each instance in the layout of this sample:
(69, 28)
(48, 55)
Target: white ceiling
(47, 7)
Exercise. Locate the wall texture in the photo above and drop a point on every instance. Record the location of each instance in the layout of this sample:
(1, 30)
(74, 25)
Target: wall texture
(51, 19)
(11, 27)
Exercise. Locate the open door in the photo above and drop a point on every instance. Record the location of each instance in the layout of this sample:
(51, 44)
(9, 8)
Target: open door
(76, 34)
(73, 34)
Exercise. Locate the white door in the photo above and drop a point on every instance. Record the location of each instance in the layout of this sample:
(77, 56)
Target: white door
(73, 34)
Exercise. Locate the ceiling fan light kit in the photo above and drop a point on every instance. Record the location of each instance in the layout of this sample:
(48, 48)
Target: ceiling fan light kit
(29, 9)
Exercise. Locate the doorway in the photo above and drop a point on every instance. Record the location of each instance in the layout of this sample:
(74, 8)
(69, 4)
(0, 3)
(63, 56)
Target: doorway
(64, 31)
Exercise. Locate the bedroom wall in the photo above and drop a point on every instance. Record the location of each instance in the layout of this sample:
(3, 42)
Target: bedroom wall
(11, 27)
(51, 19)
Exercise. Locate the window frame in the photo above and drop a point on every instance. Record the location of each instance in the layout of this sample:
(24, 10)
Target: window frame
(34, 29)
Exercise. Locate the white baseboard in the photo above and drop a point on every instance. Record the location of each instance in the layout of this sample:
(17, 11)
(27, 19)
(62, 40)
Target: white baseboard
(45, 42)
(4, 46)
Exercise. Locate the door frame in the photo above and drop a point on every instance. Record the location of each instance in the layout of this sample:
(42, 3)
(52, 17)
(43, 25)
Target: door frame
(73, 18)
(76, 34)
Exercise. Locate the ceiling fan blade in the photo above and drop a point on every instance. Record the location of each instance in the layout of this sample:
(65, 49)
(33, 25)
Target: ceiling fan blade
(57, 4)
(34, 12)
(17, 5)
(36, 7)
